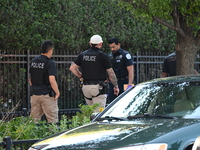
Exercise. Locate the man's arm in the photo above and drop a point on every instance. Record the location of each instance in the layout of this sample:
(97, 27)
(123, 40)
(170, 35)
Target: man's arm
(130, 70)
(195, 71)
(113, 80)
(54, 86)
(164, 74)
(75, 70)
(29, 79)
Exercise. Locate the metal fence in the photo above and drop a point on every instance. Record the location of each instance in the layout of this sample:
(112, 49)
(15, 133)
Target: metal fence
(15, 92)
(9, 144)
(7, 116)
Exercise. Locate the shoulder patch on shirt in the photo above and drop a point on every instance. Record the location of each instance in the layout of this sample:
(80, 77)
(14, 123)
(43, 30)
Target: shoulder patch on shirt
(128, 56)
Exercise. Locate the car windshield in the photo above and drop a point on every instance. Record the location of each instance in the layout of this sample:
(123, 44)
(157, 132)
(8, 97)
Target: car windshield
(180, 99)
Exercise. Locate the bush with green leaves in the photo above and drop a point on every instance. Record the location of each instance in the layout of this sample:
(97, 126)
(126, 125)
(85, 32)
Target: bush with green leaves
(71, 23)
(24, 128)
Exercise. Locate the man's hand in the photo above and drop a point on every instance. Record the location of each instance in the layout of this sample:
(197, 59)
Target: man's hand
(129, 86)
(56, 96)
(54, 86)
(116, 90)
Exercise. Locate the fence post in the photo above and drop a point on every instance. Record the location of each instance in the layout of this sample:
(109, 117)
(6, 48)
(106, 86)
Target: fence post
(8, 142)
(137, 69)
(27, 80)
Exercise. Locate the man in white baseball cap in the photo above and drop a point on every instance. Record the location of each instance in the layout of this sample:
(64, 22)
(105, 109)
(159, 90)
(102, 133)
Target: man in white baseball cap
(96, 39)
(95, 65)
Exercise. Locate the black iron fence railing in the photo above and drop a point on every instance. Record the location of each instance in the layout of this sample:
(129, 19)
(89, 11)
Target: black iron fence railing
(6, 116)
(8, 144)
(15, 91)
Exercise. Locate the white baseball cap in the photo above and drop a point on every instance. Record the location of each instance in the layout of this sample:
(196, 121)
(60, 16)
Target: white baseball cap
(96, 39)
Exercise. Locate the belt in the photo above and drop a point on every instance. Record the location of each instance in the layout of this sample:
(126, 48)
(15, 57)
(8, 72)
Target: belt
(91, 82)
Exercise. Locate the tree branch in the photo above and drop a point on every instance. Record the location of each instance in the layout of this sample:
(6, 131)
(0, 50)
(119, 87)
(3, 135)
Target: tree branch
(175, 28)
(175, 15)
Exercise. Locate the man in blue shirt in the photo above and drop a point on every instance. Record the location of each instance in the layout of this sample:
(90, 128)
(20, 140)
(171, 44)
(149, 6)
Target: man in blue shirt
(122, 64)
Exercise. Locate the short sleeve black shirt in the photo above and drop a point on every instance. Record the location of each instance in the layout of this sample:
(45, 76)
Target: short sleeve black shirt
(93, 63)
(41, 68)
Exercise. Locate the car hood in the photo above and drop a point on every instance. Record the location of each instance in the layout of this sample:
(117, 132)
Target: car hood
(108, 135)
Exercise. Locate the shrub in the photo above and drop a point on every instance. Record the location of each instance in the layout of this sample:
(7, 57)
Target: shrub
(24, 128)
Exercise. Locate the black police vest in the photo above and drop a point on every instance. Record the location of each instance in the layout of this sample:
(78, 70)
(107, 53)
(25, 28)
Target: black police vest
(38, 71)
(118, 65)
(92, 65)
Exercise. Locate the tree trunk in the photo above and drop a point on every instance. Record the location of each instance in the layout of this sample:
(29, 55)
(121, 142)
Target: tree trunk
(186, 49)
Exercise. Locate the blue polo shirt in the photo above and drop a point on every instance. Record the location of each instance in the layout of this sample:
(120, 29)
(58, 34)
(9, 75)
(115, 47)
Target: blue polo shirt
(120, 61)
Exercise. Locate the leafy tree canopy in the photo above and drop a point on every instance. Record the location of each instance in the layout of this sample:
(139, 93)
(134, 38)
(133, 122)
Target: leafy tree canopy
(179, 15)
(167, 12)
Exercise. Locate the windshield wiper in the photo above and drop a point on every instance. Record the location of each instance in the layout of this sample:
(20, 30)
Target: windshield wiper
(160, 116)
(151, 116)
(110, 118)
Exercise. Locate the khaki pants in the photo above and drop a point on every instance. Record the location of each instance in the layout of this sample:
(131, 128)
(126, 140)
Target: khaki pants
(43, 104)
(91, 91)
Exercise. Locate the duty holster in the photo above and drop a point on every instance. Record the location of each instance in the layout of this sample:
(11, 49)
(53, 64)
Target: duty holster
(103, 87)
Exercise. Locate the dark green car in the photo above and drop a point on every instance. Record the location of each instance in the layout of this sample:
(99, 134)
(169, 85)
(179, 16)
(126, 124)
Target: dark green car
(161, 114)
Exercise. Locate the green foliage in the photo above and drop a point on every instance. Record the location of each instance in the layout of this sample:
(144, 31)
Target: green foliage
(71, 23)
(83, 117)
(162, 9)
(23, 128)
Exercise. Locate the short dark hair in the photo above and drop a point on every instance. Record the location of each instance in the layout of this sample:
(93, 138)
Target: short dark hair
(46, 46)
(93, 45)
(113, 40)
